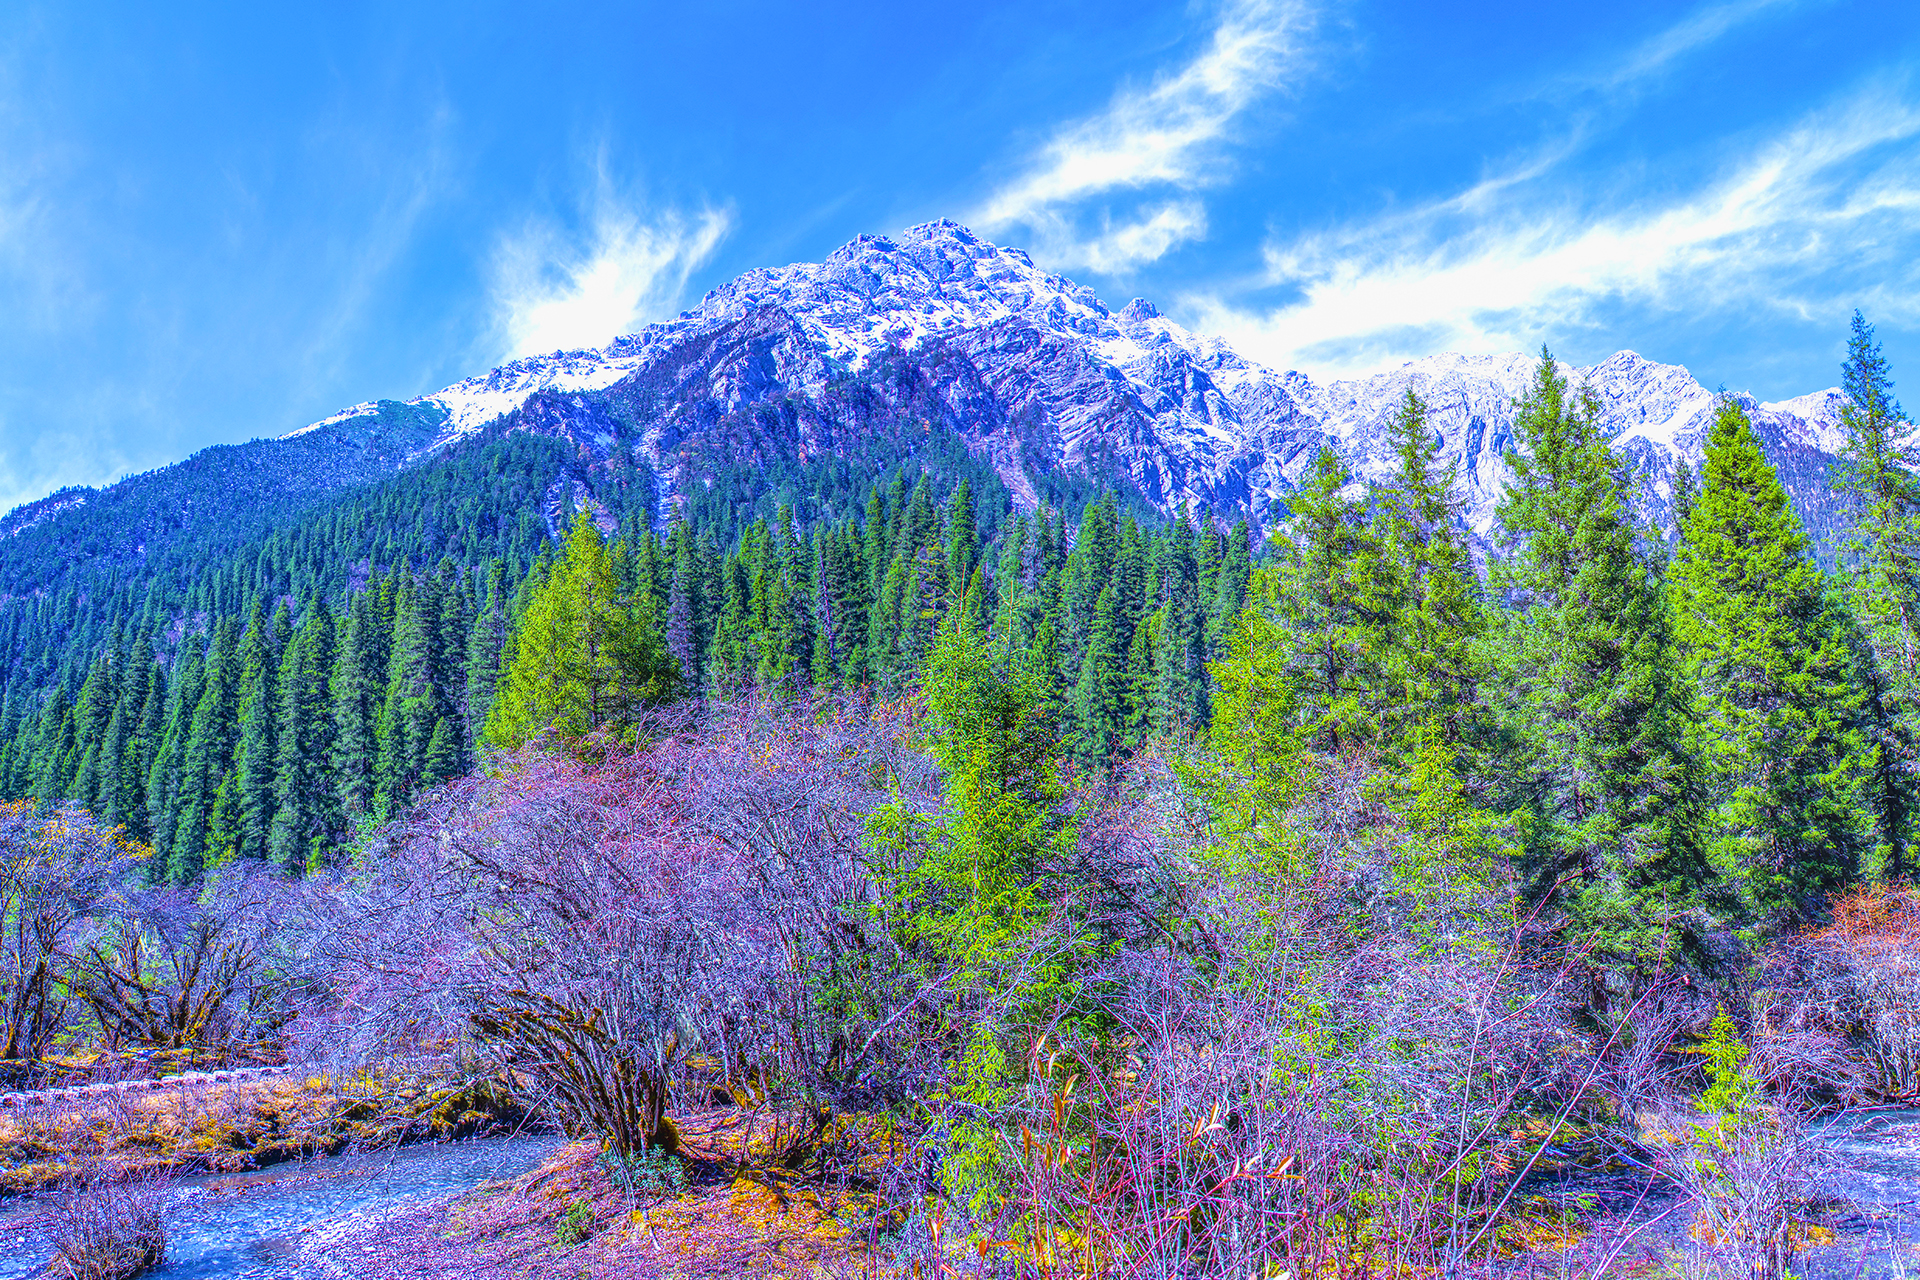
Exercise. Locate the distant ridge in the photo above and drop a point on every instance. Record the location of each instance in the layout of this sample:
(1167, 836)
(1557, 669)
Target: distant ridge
(1036, 373)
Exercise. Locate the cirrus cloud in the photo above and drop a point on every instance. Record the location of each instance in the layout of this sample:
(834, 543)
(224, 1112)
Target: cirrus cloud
(553, 293)
(1832, 204)
(1165, 136)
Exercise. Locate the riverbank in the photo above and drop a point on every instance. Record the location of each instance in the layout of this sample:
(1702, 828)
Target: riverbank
(564, 1219)
(202, 1125)
(567, 1219)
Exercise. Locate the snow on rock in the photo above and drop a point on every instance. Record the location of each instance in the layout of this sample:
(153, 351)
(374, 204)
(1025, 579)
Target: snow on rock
(1017, 350)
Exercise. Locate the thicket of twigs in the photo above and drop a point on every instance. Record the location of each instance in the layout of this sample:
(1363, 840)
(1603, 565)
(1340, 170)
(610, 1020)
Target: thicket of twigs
(1363, 1057)
(107, 1229)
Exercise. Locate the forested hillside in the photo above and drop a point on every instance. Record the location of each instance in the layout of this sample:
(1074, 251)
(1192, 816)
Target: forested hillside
(855, 793)
(262, 694)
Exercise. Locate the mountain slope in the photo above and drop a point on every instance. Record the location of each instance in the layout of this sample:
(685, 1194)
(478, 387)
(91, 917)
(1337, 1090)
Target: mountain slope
(890, 341)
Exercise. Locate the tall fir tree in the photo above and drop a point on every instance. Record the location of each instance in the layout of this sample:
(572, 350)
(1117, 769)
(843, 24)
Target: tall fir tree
(1590, 705)
(307, 812)
(584, 658)
(255, 754)
(1331, 598)
(1882, 559)
(207, 761)
(1769, 662)
(1431, 662)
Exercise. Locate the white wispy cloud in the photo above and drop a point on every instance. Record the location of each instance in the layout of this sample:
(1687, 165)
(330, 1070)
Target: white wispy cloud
(1834, 203)
(1166, 135)
(1696, 31)
(552, 293)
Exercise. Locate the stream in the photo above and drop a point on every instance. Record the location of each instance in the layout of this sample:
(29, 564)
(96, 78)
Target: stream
(250, 1226)
(1876, 1173)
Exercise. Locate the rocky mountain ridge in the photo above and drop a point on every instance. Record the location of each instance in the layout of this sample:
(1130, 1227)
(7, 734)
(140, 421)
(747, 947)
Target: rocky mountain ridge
(939, 327)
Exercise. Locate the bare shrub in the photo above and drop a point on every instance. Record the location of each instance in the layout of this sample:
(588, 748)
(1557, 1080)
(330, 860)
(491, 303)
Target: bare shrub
(1742, 1177)
(1323, 1071)
(177, 969)
(1861, 981)
(592, 923)
(108, 1230)
(57, 866)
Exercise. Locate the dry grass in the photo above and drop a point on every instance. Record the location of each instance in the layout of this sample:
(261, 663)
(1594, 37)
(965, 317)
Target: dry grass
(200, 1127)
(738, 1215)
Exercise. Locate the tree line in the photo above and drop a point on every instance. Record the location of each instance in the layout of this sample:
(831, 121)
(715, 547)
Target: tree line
(275, 735)
(1701, 728)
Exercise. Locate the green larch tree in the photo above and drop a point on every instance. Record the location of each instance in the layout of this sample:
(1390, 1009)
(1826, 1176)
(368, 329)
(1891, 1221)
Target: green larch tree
(584, 657)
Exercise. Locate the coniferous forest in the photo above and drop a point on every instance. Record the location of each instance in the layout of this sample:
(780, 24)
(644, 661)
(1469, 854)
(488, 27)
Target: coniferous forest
(1094, 889)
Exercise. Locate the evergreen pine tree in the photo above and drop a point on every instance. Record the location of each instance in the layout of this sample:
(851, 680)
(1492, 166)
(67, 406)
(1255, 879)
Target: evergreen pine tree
(254, 760)
(1883, 583)
(1590, 704)
(485, 645)
(357, 689)
(442, 758)
(1770, 666)
(208, 756)
(1101, 711)
(1431, 663)
(584, 658)
(1331, 601)
(306, 805)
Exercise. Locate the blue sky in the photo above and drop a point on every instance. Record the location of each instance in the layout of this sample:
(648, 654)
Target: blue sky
(224, 222)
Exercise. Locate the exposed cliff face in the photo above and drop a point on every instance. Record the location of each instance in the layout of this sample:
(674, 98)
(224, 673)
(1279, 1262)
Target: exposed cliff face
(940, 328)
(1035, 372)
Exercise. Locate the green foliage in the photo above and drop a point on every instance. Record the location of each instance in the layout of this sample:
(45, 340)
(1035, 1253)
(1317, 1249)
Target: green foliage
(1882, 567)
(1252, 773)
(651, 1172)
(1333, 601)
(1732, 1093)
(587, 655)
(1431, 661)
(998, 748)
(576, 1225)
(1452, 852)
(1590, 708)
(1766, 651)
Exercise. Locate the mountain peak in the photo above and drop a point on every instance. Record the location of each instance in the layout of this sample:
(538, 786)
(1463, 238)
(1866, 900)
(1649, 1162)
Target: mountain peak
(1000, 341)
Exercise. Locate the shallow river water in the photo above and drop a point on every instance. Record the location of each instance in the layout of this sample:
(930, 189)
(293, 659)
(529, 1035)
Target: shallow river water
(250, 1226)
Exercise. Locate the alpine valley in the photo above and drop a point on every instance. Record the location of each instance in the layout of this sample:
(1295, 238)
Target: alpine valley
(257, 651)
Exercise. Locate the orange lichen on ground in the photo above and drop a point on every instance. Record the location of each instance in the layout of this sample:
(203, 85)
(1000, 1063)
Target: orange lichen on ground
(567, 1218)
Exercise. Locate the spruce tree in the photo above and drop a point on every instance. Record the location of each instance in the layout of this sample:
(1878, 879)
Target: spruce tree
(356, 689)
(1330, 597)
(1430, 661)
(584, 657)
(1771, 669)
(306, 806)
(1882, 558)
(1100, 710)
(207, 761)
(254, 761)
(165, 775)
(442, 759)
(485, 645)
(1590, 706)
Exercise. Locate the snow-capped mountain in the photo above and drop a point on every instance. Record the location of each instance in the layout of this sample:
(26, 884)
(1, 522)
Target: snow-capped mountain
(1035, 371)
(887, 346)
